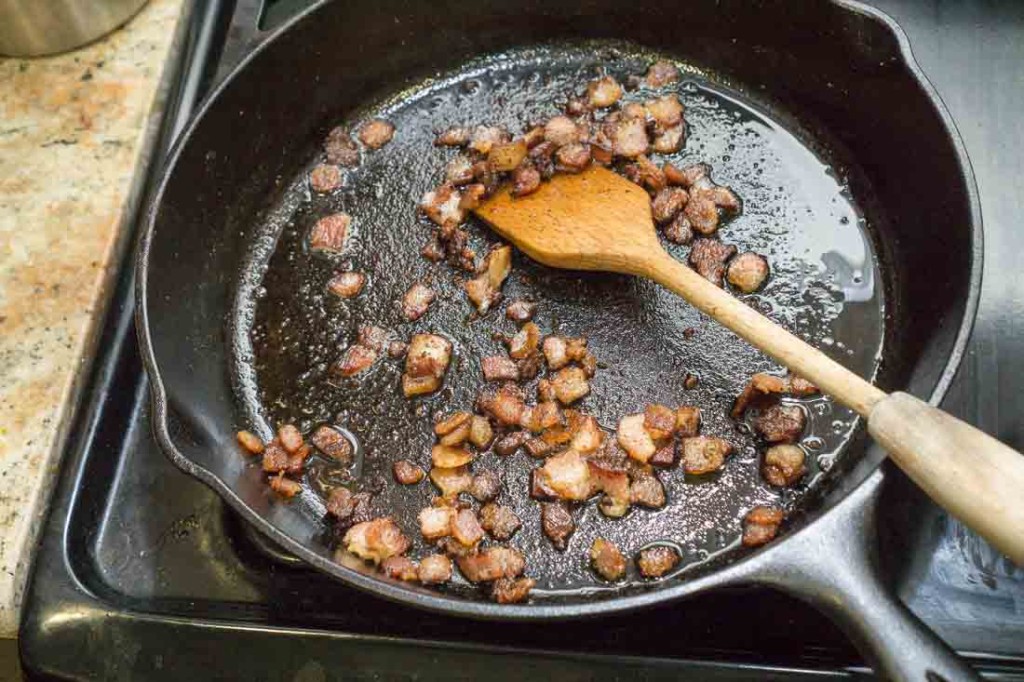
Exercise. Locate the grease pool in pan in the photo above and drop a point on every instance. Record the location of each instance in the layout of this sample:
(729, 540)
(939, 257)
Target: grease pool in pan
(825, 286)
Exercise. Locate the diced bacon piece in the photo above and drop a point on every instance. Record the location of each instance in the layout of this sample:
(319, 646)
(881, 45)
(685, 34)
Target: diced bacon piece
(376, 133)
(659, 421)
(708, 257)
(297, 460)
(486, 486)
(603, 92)
(250, 442)
(289, 437)
(541, 416)
(505, 405)
(414, 386)
(570, 384)
(416, 301)
(400, 568)
(534, 136)
(459, 171)
(702, 213)
(458, 436)
(568, 476)
(572, 158)
(555, 352)
(472, 196)
(629, 136)
(611, 478)
(429, 355)
(557, 523)
(664, 456)
(588, 437)
(376, 540)
(666, 111)
(453, 137)
(704, 454)
(441, 205)
(667, 204)
(661, 73)
(654, 562)
(484, 290)
(501, 522)
(759, 386)
(679, 231)
(357, 358)
(451, 482)
(492, 563)
(509, 443)
(499, 368)
(325, 178)
(525, 342)
(341, 148)
(348, 507)
(607, 560)
(645, 489)
(407, 473)
(449, 457)
(466, 528)
(329, 233)
(346, 284)
(509, 591)
(373, 337)
(485, 137)
(781, 423)
(783, 465)
(760, 525)
(285, 487)
(669, 140)
(507, 155)
(539, 448)
(634, 439)
(436, 522)
(526, 179)
(673, 175)
(521, 310)
(687, 421)
(451, 422)
(561, 131)
(397, 349)
(435, 569)
(480, 432)
(275, 457)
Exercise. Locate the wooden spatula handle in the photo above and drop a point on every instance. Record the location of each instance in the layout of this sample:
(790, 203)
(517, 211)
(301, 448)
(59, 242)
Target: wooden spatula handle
(762, 333)
(972, 475)
(975, 477)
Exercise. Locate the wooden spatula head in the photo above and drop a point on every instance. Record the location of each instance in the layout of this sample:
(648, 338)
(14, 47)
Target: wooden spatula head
(594, 220)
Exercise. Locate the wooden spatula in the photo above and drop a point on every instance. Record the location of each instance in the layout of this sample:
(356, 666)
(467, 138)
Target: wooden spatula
(598, 220)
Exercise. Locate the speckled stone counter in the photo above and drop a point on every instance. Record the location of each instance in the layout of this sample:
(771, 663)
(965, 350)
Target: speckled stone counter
(76, 131)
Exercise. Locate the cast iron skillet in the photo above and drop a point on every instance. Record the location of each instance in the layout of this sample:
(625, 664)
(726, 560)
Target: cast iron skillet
(816, 114)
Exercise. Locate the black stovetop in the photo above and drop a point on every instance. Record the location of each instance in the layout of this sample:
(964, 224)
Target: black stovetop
(142, 573)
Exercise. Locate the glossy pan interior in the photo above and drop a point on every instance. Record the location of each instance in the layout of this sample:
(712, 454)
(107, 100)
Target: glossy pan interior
(836, 74)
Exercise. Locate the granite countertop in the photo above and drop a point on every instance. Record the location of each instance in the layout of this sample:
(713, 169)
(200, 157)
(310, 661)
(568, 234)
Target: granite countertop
(76, 131)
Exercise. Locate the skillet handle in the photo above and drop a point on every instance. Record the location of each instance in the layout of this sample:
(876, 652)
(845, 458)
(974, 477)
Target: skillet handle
(833, 565)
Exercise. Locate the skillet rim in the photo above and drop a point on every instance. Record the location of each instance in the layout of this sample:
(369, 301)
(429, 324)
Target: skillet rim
(455, 606)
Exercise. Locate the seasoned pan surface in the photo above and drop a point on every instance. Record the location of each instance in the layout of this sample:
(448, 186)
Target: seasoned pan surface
(828, 285)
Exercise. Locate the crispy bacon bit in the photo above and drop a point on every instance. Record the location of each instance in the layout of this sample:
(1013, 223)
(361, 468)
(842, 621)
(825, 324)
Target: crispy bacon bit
(372, 337)
(610, 477)
(509, 443)
(687, 421)
(561, 131)
(521, 310)
(450, 457)
(472, 196)
(545, 391)
(459, 171)
(250, 442)
(507, 156)
(763, 386)
(485, 137)
(645, 489)
(400, 568)
(567, 476)
(509, 591)
(570, 384)
(525, 180)
(644, 173)
(783, 465)
(673, 175)
(708, 258)
(486, 486)
(555, 352)
(628, 135)
(433, 251)
(534, 136)
(664, 456)
(480, 432)
(635, 439)
(457, 436)
(492, 563)
(356, 359)
(325, 178)
(661, 73)
(485, 289)
(702, 213)
(376, 133)
(397, 349)
(539, 448)
(654, 562)
(407, 473)
(588, 436)
(285, 487)
(297, 460)
(376, 540)
(414, 386)
(679, 230)
(501, 522)
(704, 454)
(760, 525)
(781, 423)
(542, 416)
(696, 174)
(428, 356)
(341, 148)
(346, 284)
(557, 523)
(436, 522)
(666, 111)
(416, 301)
(275, 457)
(328, 234)
(451, 423)
(659, 421)
(505, 405)
(799, 386)
(453, 137)
(499, 368)
(441, 205)
(435, 569)
(667, 204)
(466, 528)
(748, 272)
(451, 482)
(572, 158)
(525, 342)
(348, 507)
(607, 560)
(603, 92)
(669, 140)
(577, 107)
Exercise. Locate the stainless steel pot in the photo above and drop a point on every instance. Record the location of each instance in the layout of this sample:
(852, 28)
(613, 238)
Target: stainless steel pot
(30, 28)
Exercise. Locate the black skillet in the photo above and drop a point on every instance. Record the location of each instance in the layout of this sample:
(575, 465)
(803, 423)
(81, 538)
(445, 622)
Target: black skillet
(854, 181)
